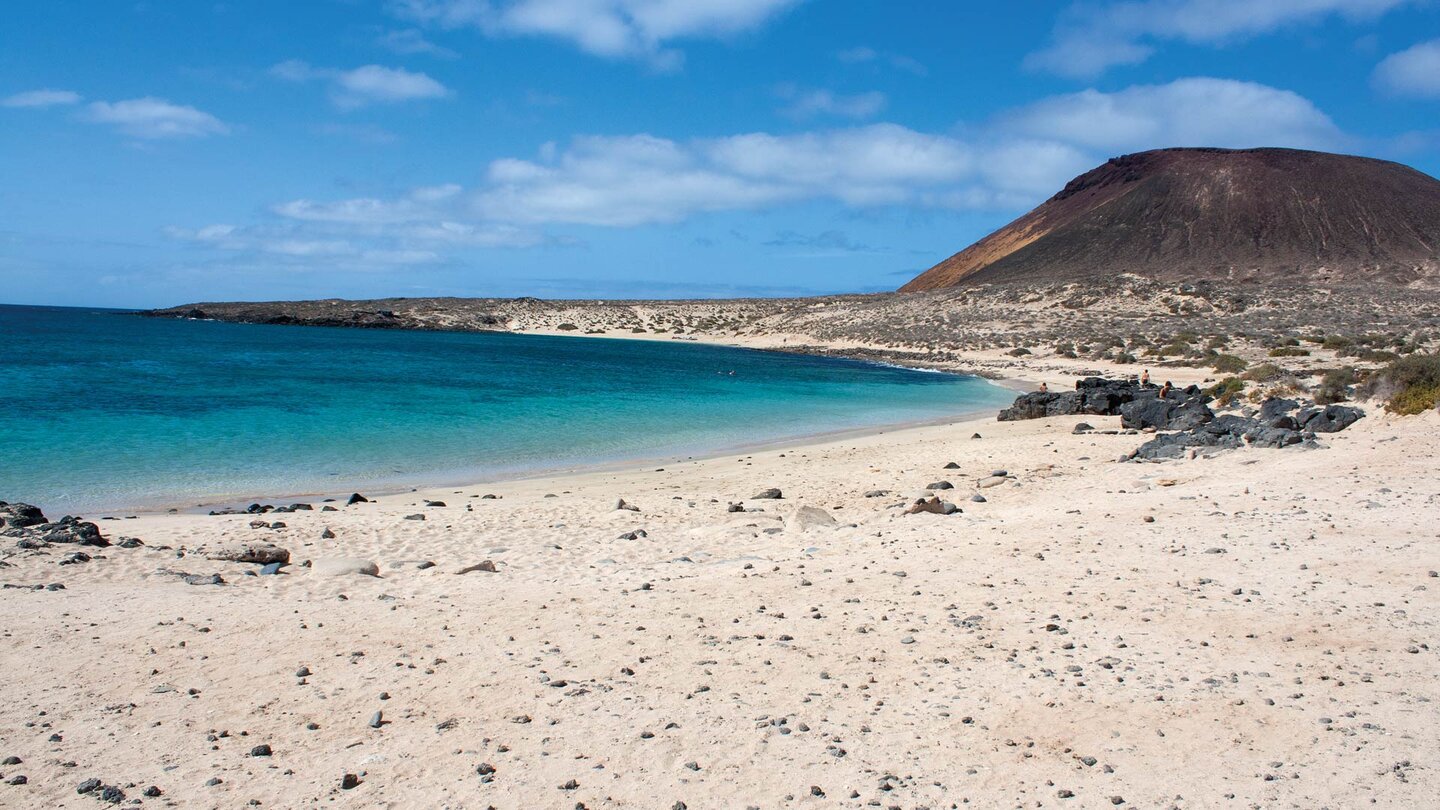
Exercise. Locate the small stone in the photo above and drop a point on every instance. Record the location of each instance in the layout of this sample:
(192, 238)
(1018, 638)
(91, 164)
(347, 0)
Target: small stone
(327, 534)
(261, 750)
(11, 761)
(570, 784)
(487, 566)
(152, 792)
(357, 498)
(89, 786)
(377, 719)
(940, 485)
(414, 517)
(19, 780)
(302, 672)
(349, 781)
(771, 494)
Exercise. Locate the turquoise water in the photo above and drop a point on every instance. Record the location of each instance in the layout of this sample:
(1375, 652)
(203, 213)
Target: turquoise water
(102, 409)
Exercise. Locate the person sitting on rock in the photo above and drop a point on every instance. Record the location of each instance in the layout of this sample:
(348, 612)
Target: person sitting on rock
(1166, 389)
(1044, 389)
(1145, 377)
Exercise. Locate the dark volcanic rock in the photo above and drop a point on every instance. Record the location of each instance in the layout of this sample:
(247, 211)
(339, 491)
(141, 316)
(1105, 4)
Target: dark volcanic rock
(1330, 419)
(19, 515)
(65, 530)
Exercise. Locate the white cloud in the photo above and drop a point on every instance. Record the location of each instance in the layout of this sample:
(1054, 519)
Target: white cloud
(802, 104)
(1016, 160)
(608, 28)
(42, 98)
(1091, 38)
(369, 84)
(1009, 163)
(154, 118)
(410, 42)
(1414, 71)
(1187, 112)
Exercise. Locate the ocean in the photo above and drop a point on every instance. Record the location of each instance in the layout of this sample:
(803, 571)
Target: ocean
(104, 410)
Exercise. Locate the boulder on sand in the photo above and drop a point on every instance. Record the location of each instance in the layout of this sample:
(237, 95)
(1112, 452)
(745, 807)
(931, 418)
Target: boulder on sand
(258, 553)
(805, 518)
(344, 566)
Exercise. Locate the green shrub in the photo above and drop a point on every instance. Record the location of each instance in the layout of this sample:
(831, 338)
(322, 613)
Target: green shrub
(1336, 343)
(1289, 351)
(1263, 373)
(1019, 351)
(1226, 390)
(1335, 386)
(1376, 356)
(1409, 385)
(1228, 364)
(567, 327)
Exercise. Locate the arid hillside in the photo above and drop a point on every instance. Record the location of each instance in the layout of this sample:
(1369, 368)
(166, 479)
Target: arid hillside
(1254, 215)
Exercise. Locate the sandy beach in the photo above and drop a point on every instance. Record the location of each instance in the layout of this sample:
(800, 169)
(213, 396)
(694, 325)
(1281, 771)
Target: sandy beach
(1249, 630)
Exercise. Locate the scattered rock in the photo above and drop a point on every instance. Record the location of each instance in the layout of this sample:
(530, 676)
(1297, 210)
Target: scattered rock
(932, 505)
(356, 498)
(487, 566)
(768, 495)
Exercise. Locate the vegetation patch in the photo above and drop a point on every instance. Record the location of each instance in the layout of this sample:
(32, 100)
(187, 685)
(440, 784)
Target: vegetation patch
(1409, 385)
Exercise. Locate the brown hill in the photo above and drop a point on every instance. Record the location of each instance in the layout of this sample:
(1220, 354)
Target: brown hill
(1262, 215)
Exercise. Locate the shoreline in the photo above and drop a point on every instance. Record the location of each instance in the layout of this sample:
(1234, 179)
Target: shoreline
(633, 465)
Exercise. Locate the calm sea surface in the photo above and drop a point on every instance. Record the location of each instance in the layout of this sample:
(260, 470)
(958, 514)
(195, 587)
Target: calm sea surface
(102, 409)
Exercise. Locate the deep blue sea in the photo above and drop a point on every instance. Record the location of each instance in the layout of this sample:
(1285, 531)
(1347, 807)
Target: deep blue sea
(104, 410)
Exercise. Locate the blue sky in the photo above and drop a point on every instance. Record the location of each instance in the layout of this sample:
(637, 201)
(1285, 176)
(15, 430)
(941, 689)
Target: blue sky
(168, 151)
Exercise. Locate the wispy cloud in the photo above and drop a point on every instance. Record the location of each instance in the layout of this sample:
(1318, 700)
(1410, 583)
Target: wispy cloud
(1414, 71)
(802, 103)
(1091, 38)
(362, 86)
(615, 29)
(864, 54)
(411, 42)
(154, 118)
(823, 244)
(41, 98)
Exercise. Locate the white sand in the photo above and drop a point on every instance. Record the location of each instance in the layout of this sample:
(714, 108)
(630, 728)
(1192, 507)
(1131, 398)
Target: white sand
(904, 660)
